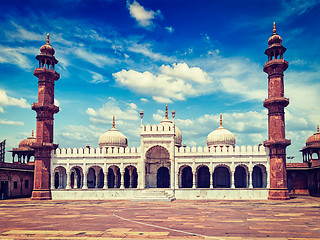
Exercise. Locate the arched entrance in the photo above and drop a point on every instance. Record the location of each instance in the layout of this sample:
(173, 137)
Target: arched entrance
(259, 176)
(186, 177)
(163, 178)
(221, 177)
(203, 177)
(130, 177)
(157, 167)
(114, 177)
(240, 177)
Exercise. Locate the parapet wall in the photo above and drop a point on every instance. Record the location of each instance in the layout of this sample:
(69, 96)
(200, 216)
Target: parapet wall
(156, 129)
(100, 152)
(243, 150)
(94, 152)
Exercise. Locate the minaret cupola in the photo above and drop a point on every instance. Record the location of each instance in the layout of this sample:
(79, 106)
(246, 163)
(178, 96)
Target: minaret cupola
(46, 57)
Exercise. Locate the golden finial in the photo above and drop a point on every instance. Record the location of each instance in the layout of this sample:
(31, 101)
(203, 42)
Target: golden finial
(32, 134)
(166, 116)
(48, 41)
(114, 122)
(318, 128)
(220, 120)
(274, 28)
(173, 113)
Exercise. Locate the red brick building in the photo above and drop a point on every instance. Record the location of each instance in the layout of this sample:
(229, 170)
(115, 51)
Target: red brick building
(304, 178)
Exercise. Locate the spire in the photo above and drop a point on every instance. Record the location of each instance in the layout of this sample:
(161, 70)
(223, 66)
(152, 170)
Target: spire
(32, 134)
(48, 41)
(166, 116)
(274, 28)
(220, 120)
(318, 128)
(114, 122)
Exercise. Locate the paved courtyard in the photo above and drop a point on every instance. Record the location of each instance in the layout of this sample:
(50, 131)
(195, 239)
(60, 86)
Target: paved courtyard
(298, 219)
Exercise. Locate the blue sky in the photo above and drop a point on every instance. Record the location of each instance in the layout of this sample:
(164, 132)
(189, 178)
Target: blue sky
(202, 58)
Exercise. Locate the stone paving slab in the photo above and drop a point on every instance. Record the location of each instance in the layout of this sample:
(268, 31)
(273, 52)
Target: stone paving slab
(296, 219)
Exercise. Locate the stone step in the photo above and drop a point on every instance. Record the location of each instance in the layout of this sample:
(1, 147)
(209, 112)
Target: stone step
(153, 196)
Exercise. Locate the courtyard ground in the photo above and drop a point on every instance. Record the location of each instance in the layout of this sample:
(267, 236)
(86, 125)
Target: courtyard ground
(298, 218)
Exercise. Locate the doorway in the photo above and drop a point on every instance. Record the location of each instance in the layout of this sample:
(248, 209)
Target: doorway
(163, 178)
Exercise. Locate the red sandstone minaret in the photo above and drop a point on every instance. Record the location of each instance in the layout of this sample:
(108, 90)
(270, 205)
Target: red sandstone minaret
(45, 109)
(276, 103)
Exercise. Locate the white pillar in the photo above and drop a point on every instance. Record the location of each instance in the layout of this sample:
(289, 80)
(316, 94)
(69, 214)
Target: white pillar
(250, 179)
(211, 178)
(85, 186)
(176, 179)
(232, 179)
(122, 180)
(172, 173)
(68, 180)
(194, 183)
(105, 184)
(141, 171)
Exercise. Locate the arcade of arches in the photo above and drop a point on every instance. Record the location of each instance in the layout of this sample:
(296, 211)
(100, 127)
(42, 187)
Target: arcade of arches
(158, 176)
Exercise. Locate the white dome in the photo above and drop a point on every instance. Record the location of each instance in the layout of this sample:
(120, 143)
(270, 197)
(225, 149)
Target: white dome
(113, 138)
(221, 137)
(178, 135)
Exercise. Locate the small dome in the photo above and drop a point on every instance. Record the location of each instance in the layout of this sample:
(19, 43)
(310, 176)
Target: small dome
(47, 49)
(314, 140)
(113, 138)
(275, 38)
(27, 143)
(221, 137)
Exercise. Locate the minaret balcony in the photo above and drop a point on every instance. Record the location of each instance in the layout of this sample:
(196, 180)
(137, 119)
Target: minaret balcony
(277, 146)
(282, 101)
(41, 71)
(274, 64)
(42, 107)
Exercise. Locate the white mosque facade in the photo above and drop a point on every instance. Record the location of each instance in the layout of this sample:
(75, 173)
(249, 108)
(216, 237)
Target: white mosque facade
(161, 167)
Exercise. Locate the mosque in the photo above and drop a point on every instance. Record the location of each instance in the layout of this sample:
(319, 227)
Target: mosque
(161, 168)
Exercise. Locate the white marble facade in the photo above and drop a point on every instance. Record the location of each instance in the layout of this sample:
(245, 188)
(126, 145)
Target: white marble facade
(113, 170)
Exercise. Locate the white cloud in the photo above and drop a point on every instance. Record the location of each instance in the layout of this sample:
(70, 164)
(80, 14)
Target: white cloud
(97, 78)
(177, 82)
(145, 49)
(22, 34)
(98, 60)
(161, 99)
(141, 15)
(80, 136)
(250, 128)
(8, 122)
(132, 105)
(5, 100)
(110, 108)
(17, 56)
(144, 100)
(183, 71)
(169, 29)
(57, 103)
(298, 6)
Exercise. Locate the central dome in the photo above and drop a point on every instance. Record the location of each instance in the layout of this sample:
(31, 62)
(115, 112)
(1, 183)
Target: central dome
(221, 137)
(113, 138)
